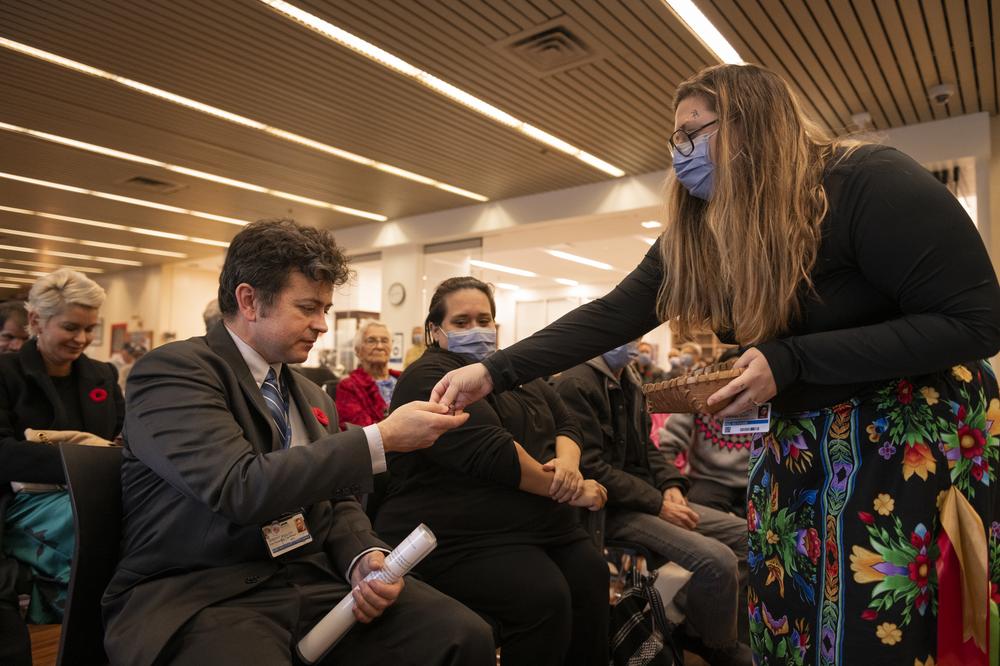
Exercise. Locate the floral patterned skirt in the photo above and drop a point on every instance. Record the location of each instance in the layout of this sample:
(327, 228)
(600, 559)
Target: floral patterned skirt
(874, 527)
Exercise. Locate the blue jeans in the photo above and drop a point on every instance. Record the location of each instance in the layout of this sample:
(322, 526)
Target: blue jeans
(716, 553)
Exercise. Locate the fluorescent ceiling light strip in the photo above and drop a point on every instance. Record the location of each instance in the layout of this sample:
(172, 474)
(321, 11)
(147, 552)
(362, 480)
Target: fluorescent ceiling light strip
(20, 279)
(369, 50)
(128, 200)
(70, 255)
(20, 271)
(42, 264)
(650, 224)
(8, 285)
(107, 246)
(580, 260)
(502, 269)
(116, 227)
(227, 116)
(507, 285)
(703, 29)
(567, 282)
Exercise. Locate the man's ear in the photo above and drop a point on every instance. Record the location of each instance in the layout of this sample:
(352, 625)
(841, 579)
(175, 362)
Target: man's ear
(247, 302)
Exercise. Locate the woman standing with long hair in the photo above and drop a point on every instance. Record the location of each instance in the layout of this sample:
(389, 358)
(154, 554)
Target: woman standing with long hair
(863, 298)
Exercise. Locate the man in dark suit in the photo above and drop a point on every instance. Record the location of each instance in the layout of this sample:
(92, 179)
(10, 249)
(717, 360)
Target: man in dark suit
(223, 443)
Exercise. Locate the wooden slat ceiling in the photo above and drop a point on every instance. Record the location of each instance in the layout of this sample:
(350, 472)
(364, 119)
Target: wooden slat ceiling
(842, 56)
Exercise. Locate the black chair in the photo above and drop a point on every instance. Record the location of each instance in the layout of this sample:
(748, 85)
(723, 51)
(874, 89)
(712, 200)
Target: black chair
(93, 474)
(331, 388)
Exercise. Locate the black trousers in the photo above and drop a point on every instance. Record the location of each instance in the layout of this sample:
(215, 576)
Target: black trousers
(15, 645)
(717, 496)
(549, 604)
(423, 628)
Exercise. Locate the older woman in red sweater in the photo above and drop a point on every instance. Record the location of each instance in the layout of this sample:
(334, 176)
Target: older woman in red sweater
(363, 396)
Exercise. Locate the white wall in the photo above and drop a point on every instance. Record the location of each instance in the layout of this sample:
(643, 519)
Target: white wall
(513, 328)
(168, 298)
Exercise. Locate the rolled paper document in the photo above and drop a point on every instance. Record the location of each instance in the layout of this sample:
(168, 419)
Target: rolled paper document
(338, 621)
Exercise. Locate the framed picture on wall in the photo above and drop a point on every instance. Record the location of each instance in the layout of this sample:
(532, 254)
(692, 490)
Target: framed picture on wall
(141, 339)
(118, 336)
(98, 333)
(396, 354)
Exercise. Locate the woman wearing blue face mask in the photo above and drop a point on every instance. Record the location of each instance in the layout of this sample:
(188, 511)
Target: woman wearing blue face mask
(500, 494)
(864, 300)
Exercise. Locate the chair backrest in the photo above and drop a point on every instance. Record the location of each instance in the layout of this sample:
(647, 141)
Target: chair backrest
(93, 474)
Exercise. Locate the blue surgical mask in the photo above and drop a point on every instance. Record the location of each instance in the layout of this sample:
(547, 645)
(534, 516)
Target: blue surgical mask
(644, 360)
(619, 357)
(476, 342)
(696, 171)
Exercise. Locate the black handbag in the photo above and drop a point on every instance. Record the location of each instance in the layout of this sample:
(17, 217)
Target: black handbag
(640, 632)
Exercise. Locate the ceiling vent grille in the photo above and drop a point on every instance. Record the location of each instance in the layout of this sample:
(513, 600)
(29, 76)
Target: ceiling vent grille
(152, 185)
(552, 47)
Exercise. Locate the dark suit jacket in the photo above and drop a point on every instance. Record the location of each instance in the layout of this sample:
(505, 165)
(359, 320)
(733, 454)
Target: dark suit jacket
(28, 399)
(202, 471)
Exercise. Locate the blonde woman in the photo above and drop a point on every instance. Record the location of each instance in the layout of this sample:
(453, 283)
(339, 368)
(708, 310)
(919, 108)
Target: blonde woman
(863, 299)
(51, 385)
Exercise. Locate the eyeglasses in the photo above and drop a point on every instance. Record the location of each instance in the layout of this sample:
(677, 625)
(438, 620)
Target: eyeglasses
(372, 342)
(683, 141)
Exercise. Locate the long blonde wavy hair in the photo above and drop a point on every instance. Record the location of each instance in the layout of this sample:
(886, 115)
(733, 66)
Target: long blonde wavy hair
(741, 261)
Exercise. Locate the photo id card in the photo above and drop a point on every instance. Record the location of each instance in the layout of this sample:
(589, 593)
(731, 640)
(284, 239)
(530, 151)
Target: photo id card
(286, 534)
(756, 419)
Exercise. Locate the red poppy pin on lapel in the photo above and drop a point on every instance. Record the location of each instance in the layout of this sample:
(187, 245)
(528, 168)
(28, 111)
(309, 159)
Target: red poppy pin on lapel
(98, 395)
(321, 416)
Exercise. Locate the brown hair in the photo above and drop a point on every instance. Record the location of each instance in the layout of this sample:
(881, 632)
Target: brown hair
(741, 262)
(265, 253)
(438, 308)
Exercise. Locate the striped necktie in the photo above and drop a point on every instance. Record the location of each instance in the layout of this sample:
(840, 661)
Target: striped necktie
(278, 404)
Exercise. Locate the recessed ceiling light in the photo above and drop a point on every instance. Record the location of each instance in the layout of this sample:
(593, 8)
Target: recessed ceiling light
(703, 29)
(70, 255)
(386, 59)
(580, 260)
(77, 241)
(52, 267)
(110, 152)
(650, 224)
(506, 285)
(116, 227)
(128, 200)
(567, 282)
(501, 268)
(647, 240)
(228, 116)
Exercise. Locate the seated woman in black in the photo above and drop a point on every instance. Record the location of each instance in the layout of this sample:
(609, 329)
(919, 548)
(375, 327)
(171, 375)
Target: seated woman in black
(51, 386)
(509, 542)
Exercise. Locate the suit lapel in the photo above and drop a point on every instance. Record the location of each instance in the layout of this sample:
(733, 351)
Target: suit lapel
(292, 379)
(34, 368)
(95, 397)
(221, 343)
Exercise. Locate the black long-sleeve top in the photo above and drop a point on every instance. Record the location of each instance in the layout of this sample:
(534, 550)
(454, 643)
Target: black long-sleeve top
(465, 487)
(903, 287)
